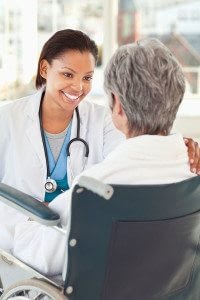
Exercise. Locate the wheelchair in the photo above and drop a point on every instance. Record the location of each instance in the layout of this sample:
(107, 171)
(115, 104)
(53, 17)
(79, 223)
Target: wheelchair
(136, 242)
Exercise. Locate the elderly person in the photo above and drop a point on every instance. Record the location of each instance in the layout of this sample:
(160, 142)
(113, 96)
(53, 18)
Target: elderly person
(145, 85)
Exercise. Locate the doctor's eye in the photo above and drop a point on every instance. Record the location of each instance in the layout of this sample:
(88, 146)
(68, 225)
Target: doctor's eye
(68, 75)
(88, 78)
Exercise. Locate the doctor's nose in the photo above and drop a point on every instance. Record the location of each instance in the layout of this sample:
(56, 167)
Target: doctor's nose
(77, 85)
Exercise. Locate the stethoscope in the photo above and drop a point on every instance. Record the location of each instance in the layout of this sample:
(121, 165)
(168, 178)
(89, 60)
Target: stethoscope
(50, 184)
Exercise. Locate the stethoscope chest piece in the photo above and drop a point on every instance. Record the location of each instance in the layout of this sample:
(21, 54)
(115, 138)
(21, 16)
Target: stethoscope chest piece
(50, 185)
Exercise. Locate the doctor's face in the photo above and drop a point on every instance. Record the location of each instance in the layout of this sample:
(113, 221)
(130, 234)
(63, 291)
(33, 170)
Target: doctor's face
(68, 78)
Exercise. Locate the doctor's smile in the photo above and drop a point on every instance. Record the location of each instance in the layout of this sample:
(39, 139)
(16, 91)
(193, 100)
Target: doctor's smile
(68, 78)
(71, 98)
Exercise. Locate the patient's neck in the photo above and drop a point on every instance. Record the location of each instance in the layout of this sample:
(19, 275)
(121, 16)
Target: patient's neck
(132, 134)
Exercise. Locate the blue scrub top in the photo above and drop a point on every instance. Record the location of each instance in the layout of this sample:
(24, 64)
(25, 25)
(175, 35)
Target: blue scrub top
(58, 170)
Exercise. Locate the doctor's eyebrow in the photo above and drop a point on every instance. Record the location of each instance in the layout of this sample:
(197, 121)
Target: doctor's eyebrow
(89, 72)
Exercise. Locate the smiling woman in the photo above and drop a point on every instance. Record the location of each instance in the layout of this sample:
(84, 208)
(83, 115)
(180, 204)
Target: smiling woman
(41, 127)
(68, 81)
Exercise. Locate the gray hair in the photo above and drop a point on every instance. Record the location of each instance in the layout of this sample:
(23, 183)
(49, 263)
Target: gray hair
(150, 85)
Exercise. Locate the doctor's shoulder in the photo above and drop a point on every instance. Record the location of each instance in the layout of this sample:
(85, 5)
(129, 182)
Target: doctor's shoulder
(97, 118)
(92, 109)
(96, 114)
(6, 112)
(14, 109)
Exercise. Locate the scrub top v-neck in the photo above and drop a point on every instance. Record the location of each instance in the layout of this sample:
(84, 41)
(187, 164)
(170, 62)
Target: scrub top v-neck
(58, 169)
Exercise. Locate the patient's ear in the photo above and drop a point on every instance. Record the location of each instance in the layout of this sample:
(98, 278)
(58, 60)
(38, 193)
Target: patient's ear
(118, 115)
(117, 105)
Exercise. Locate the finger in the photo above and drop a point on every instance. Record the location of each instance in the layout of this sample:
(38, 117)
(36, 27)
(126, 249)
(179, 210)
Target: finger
(198, 168)
(195, 164)
(191, 151)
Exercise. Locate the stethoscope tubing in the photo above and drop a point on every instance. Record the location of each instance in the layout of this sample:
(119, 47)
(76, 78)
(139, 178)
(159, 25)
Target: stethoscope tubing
(76, 139)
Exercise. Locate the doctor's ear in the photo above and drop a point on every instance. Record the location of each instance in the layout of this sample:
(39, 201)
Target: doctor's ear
(43, 68)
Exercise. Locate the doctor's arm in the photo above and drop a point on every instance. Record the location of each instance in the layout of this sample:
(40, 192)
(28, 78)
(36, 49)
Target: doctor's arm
(40, 247)
(43, 247)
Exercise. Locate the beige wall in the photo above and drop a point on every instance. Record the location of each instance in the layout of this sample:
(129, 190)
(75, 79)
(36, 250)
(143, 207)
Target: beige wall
(188, 126)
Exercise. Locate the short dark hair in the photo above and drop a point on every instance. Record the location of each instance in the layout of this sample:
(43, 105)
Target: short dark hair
(61, 41)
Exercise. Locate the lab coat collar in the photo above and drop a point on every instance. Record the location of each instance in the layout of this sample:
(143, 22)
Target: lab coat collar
(33, 125)
(32, 108)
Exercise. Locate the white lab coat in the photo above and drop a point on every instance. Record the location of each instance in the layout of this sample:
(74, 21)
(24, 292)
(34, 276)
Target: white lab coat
(142, 160)
(23, 163)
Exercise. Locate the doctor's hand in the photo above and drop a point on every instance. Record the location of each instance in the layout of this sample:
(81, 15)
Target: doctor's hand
(194, 155)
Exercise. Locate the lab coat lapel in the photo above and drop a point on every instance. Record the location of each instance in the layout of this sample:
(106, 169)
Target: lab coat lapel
(33, 133)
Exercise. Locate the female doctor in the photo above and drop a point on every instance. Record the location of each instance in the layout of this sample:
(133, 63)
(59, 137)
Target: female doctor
(51, 136)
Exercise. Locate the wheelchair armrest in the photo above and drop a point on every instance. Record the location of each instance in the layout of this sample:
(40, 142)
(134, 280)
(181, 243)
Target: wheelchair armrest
(28, 205)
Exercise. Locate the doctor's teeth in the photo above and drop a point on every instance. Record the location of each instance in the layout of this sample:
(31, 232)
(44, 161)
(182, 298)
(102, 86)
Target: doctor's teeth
(71, 97)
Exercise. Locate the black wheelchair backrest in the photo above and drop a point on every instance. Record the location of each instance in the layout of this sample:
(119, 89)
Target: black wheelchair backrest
(142, 243)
